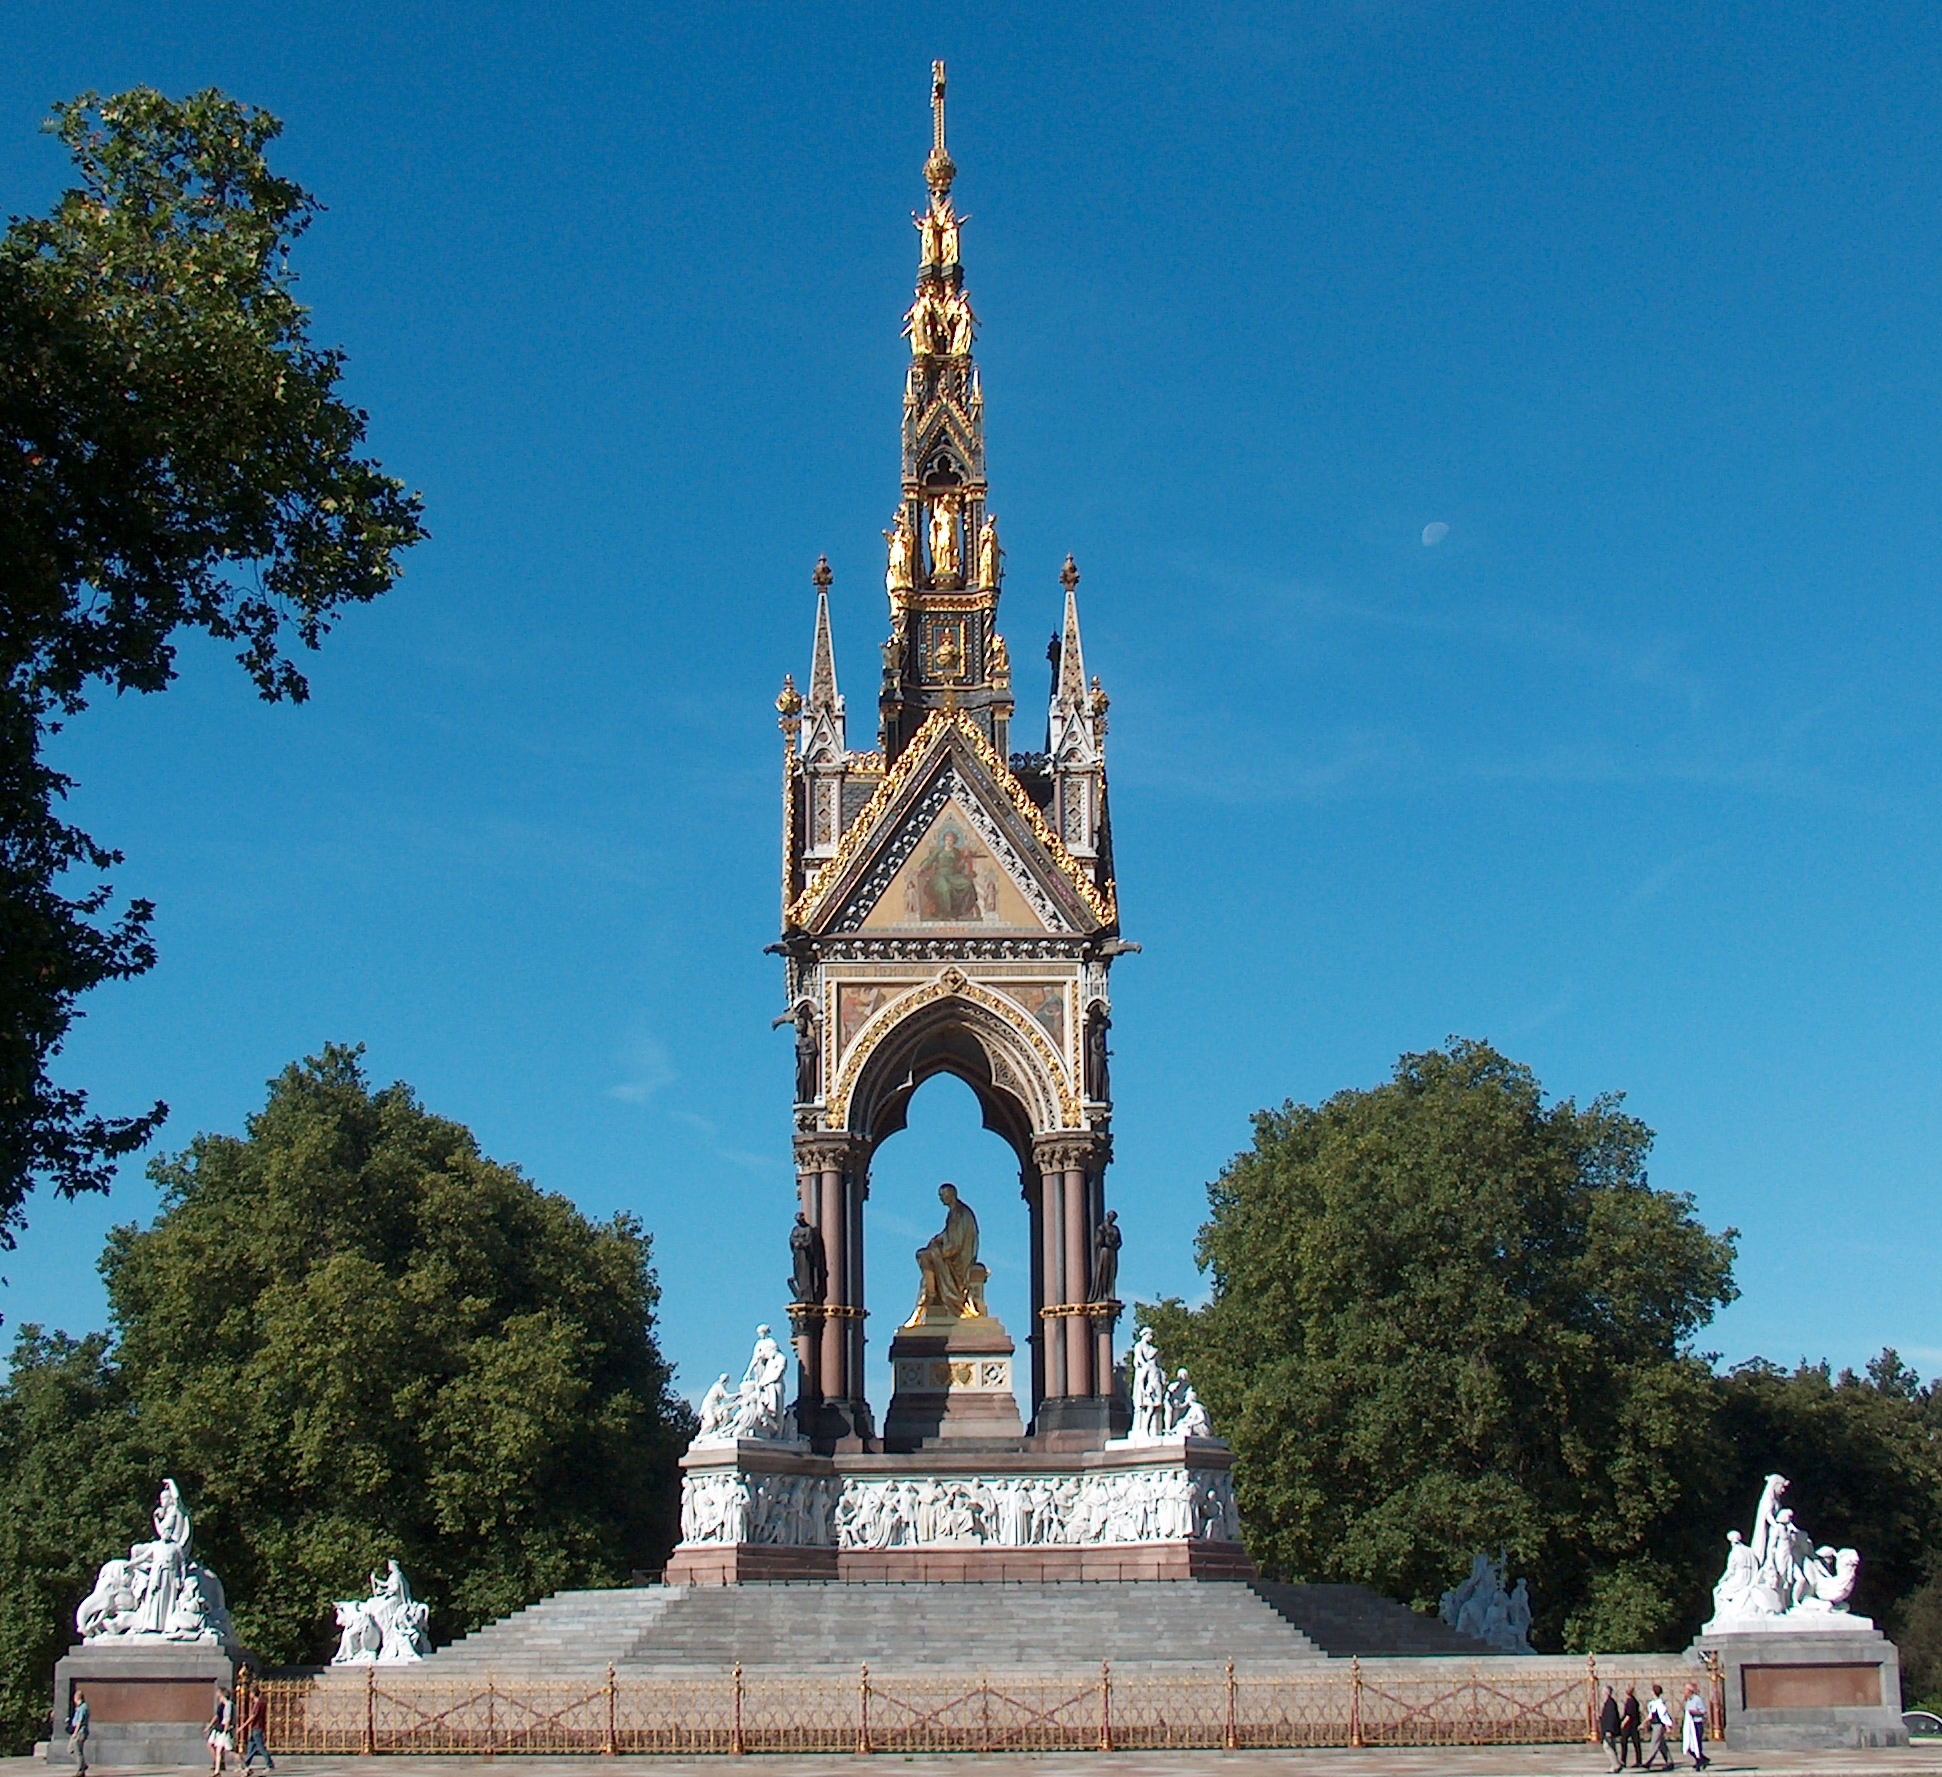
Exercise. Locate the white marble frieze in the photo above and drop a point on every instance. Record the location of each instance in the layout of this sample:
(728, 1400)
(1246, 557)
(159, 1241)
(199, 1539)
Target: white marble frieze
(1150, 1505)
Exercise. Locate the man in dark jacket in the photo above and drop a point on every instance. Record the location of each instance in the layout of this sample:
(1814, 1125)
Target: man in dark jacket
(1628, 1728)
(1608, 1726)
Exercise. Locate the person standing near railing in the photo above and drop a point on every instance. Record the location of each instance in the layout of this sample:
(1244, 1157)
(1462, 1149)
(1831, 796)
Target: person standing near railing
(256, 1726)
(1659, 1718)
(1628, 1729)
(1693, 1740)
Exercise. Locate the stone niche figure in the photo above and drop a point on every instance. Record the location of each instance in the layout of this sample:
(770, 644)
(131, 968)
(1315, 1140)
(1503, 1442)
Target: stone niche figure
(808, 1271)
(809, 1051)
(1105, 1258)
(953, 1280)
(1099, 1084)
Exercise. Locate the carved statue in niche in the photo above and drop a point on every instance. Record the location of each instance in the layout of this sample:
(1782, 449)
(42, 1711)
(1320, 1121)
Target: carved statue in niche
(1105, 1258)
(990, 555)
(953, 1280)
(947, 559)
(1099, 1086)
(808, 1270)
(898, 576)
(809, 1050)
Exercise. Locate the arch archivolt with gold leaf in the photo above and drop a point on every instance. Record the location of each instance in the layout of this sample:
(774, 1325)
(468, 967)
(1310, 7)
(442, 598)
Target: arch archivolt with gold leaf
(952, 1024)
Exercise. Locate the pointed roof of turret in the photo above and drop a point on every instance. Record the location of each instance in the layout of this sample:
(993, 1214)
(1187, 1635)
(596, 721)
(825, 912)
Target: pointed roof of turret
(1070, 692)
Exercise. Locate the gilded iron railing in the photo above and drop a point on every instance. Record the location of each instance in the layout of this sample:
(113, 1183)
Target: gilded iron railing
(372, 1711)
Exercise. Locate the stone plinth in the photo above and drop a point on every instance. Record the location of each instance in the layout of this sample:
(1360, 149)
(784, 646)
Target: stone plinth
(149, 1702)
(1807, 1687)
(953, 1384)
(1143, 1512)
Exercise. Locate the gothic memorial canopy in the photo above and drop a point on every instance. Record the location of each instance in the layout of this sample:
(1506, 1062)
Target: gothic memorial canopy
(948, 906)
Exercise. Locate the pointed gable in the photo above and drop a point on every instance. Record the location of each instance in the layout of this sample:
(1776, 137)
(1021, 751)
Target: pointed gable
(949, 821)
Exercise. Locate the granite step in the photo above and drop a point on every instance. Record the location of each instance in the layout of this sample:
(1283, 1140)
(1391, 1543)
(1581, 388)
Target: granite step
(1346, 1620)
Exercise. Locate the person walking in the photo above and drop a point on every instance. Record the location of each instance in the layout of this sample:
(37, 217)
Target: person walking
(1628, 1728)
(77, 1731)
(1693, 1740)
(1659, 1719)
(1608, 1720)
(256, 1728)
(222, 1732)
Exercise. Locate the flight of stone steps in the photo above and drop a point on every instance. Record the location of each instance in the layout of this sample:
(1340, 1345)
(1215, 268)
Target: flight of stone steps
(1345, 1620)
(907, 1627)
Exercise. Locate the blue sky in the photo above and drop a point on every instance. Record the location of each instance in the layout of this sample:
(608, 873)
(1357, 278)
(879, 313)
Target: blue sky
(1633, 772)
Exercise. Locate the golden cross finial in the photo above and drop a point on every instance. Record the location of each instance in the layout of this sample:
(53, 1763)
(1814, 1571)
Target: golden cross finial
(822, 576)
(938, 170)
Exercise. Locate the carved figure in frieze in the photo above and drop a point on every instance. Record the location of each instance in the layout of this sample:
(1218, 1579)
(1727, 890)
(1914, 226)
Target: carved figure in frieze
(808, 1271)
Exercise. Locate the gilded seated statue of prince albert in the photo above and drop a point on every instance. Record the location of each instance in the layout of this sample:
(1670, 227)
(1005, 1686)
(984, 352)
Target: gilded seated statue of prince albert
(953, 1286)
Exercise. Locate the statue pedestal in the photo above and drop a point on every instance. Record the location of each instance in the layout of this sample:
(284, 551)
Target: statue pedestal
(952, 1383)
(149, 1702)
(1806, 1686)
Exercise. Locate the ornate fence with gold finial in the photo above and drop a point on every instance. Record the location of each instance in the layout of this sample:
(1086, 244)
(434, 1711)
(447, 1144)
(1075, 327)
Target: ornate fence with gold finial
(1425, 1702)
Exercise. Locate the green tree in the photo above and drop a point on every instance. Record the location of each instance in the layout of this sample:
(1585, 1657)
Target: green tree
(73, 1474)
(1449, 1317)
(350, 1336)
(173, 456)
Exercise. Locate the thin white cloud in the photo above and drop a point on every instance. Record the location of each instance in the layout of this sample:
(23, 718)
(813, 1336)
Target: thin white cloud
(648, 1071)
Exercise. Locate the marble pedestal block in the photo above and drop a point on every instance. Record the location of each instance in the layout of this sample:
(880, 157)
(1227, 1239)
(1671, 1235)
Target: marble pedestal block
(953, 1384)
(149, 1702)
(1801, 1688)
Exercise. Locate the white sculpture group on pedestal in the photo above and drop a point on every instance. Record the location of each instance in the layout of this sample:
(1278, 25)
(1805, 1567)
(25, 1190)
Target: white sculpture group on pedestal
(1161, 1412)
(755, 1410)
(388, 1628)
(1779, 1579)
(984, 1511)
(1483, 1610)
(158, 1593)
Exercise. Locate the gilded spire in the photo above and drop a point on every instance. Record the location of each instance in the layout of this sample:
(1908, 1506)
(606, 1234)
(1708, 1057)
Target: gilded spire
(938, 170)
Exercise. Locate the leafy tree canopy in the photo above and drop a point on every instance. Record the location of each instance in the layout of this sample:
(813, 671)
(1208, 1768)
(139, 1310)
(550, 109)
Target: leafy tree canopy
(173, 456)
(349, 1335)
(1447, 1317)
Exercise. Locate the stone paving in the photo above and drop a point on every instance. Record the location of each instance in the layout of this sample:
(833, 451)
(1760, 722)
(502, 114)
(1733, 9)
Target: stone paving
(1438, 1761)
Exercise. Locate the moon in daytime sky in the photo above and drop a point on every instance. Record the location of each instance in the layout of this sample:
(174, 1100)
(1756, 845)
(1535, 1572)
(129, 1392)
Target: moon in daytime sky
(1434, 533)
